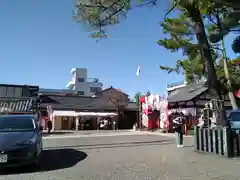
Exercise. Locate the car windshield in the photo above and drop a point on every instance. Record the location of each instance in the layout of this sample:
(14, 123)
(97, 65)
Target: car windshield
(11, 123)
(235, 116)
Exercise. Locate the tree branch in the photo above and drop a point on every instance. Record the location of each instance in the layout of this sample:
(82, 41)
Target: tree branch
(172, 8)
(113, 14)
(106, 12)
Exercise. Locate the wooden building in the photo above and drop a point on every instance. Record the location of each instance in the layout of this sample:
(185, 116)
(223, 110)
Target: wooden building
(70, 110)
(19, 98)
(190, 100)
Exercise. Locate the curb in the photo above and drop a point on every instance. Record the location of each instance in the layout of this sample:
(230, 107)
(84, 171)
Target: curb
(167, 134)
(91, 135)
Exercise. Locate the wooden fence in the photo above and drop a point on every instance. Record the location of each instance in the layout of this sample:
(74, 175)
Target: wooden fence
(219, 140)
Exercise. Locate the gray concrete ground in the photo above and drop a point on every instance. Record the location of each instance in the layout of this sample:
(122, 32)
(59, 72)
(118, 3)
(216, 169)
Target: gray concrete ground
(125, 158)
(75, 134)
(86, 132)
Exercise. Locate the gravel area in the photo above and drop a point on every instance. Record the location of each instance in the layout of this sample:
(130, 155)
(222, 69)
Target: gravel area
(125, 158)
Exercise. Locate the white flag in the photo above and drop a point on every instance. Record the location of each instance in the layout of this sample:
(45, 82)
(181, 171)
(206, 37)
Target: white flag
(138, 71)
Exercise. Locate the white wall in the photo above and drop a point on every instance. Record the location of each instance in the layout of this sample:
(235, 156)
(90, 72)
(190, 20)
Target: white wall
(79, 74)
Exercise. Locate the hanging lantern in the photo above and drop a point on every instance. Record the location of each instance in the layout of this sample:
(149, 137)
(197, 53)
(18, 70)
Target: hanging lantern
(142, 99)
(237, 93)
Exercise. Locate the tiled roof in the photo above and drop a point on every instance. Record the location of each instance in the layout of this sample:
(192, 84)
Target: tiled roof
(16, 105)
(107, 89)
(76, 102)
(187, 93)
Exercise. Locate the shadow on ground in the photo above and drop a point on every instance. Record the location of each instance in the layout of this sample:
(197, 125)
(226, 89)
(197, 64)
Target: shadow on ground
(52, 159)
(116, 145)
(58, 133)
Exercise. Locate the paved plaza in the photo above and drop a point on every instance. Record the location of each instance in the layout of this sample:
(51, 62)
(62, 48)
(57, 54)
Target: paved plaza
(126, 157)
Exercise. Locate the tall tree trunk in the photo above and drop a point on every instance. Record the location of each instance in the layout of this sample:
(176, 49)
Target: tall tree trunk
(213, 82)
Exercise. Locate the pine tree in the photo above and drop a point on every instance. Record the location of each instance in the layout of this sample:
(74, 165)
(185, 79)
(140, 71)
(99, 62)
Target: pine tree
(201, 55)
(230, 22)
(99, 14)
(181, 35)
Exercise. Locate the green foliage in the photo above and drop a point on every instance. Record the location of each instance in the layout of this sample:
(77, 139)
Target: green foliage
(230, 22)
(137, 97)
(235, 75)
(98, 14)
(235, 61)
(182, 32)
(181, 36)
(228, 3)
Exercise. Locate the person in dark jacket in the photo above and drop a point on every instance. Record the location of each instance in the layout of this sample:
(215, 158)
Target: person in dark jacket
(178, 128)
(49, 126)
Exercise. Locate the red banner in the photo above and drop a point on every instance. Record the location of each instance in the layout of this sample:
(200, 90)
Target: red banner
(237, 93)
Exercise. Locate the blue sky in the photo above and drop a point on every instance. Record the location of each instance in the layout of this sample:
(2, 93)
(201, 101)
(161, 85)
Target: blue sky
(40, 43)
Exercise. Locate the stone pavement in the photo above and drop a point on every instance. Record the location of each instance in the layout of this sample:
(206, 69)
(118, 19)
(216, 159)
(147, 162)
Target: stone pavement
(132, 157)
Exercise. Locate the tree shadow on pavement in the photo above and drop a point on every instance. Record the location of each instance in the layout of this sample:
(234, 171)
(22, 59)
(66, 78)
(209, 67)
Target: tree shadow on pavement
(52, 159)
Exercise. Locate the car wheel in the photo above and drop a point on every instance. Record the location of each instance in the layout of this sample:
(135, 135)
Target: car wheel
(36, 163)
(33, 166)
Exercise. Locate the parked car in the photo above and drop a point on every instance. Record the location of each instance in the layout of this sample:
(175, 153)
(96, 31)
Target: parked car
(234, 118)
(20, 140)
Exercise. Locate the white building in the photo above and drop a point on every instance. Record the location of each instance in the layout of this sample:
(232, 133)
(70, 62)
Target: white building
(82, 84)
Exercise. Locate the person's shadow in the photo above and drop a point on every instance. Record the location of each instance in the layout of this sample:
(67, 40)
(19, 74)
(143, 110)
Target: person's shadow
(52, 159)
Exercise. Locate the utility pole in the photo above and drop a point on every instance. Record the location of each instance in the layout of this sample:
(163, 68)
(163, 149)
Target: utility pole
(225, 66)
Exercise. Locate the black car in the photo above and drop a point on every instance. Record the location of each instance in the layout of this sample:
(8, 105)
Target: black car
(20, 140)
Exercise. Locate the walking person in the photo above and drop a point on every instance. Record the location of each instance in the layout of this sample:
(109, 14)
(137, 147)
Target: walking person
(178, 128)
(49, 126)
